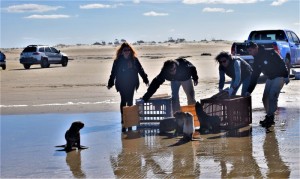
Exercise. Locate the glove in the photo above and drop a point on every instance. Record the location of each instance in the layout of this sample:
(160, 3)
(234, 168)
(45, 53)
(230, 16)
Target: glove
(146, 81)
(286, 80)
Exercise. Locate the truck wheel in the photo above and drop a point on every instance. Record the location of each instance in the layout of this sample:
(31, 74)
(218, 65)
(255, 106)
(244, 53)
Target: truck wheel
(26, 66)
(44, 63)
(288, 64)
(3, 67)
(64, 61)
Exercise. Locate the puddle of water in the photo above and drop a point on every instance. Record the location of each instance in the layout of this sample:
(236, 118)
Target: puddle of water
(27, 149)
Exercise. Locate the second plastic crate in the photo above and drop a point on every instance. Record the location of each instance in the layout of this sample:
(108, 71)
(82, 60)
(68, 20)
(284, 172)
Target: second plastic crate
(235, 112)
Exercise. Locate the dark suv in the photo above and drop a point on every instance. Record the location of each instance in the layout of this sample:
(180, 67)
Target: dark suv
(43, 55)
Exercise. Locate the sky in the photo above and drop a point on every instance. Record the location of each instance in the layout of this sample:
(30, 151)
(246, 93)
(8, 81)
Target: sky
(71, 22)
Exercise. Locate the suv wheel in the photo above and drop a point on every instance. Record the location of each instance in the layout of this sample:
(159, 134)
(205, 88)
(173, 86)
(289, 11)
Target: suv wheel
(44, 63)
(64, 61)
(26, 66)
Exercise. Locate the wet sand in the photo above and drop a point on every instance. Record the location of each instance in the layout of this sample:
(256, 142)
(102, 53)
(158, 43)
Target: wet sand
(39, 105)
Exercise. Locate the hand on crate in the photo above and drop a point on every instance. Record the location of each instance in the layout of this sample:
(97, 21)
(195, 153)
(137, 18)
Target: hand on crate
(229, 91)
(141, 100)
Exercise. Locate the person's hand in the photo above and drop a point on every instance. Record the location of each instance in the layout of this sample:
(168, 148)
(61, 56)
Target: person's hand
(141, 100)
(229, 91)
(247, 94)
(195, 83)
(108, 87)
(286, 80)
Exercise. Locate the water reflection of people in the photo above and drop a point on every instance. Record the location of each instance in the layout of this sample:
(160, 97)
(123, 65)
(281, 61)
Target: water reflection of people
(234, 150)
(277, 168)
(73, 160)
(128, 163)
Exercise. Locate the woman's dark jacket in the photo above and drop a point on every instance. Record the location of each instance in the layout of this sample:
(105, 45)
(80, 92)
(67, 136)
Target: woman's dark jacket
(268, 62)
(124, 74)
(185, 71)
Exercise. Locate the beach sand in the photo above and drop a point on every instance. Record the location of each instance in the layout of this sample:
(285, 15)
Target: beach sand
(38, 106)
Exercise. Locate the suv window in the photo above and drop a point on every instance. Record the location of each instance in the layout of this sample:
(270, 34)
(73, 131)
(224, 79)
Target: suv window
(30, 49)
(54, 50)
(41, 49)
(47, 49)
(267, 35)
(295, 38)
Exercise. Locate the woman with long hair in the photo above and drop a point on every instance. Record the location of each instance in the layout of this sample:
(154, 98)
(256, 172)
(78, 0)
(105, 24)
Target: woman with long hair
(124, 75)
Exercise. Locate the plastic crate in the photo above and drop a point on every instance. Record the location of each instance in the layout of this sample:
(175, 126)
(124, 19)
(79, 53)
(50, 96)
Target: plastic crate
(235, 112)
(154, 110)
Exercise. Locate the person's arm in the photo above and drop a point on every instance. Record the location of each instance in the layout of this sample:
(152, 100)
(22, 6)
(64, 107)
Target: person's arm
(141, 71)
(237, 72)
(156, 82)
(112, 77)
(254, 77)
(221, 79)
(193, 71)
(282, 64)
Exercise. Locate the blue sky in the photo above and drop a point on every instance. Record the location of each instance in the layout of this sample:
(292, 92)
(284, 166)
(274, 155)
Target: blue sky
(87, 21)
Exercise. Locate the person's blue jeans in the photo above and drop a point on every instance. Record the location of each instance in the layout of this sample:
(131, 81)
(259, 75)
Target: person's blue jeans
(271, 94)
(188, 88)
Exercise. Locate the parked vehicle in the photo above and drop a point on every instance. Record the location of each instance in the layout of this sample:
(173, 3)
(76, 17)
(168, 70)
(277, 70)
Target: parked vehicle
(43, 55)
(2, 60)
(285, 42)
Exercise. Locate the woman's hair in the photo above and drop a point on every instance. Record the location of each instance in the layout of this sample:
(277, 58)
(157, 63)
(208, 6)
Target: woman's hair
(168, 65)
(120, 50)
(223, 55)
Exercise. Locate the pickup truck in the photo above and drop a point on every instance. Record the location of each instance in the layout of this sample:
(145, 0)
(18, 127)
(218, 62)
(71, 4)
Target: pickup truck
(285, 42)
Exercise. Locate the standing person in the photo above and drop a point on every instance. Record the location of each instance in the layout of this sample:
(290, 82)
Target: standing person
(180, 72)
(270, 63)
(124, 75)
(237, 69)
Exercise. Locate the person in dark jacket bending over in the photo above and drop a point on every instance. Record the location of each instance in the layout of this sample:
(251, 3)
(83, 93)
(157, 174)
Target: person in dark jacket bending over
(270, 63)
(124, 74)
(180, 72)
(237, 69)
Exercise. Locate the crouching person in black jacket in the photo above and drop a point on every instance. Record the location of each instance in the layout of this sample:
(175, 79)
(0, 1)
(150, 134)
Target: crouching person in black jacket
(270, 63)
(180, 72)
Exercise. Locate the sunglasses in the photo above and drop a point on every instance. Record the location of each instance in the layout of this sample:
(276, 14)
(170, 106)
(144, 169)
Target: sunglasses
(126, 50)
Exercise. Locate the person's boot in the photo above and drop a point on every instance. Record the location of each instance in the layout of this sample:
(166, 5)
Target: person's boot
(264, 121)
(268, 122)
